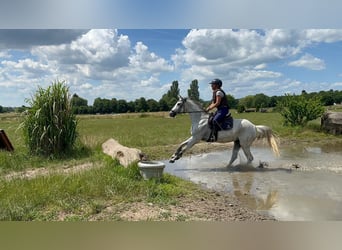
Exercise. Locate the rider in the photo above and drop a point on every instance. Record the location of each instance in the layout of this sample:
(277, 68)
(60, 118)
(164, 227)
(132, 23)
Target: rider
(219, 101)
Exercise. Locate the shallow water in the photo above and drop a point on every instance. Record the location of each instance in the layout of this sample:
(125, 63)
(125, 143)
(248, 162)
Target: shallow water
(303, 184)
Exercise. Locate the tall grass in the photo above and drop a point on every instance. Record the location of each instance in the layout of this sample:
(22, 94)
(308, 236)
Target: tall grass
(50, 125)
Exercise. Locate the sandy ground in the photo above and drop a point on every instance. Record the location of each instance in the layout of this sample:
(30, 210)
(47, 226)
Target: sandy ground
(205, 206)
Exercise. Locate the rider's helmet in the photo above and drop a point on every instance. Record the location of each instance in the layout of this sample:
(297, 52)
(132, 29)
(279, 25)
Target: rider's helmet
(217, 82)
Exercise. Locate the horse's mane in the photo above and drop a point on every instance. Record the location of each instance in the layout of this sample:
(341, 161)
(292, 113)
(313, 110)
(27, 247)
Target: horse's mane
(197, 103)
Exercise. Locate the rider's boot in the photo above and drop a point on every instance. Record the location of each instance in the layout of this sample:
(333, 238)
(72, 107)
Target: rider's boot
(213, 135)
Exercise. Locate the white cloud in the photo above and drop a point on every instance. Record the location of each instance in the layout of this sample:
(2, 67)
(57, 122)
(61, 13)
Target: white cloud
(149, 82)
(252, 75)
(86, 86)
(310, 62)
(239, 48)
(242, 57)
(324, 35)
(336, 85)
(5, 55)
(145, 60)
(98, 63)
(102, 63)
(260, 66)
(99, 48)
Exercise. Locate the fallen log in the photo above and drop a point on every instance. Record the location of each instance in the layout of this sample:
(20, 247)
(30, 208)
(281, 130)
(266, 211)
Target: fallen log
(125, 155)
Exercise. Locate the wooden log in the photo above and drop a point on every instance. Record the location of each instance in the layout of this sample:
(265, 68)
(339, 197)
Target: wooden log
(5, 143)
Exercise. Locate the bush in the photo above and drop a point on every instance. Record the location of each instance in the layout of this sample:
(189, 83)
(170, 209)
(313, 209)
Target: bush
(50, 125)
(299, 110)
(240, 109)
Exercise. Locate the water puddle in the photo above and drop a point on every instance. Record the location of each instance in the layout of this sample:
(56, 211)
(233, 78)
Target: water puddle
(304, 184)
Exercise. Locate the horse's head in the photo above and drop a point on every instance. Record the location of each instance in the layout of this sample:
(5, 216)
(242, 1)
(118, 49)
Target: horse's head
(178, 107)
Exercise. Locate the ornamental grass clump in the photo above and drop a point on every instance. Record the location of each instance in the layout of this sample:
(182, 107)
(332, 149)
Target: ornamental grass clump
(50, 124)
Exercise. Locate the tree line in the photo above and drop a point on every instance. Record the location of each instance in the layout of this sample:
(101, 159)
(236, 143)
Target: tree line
(108, 106)
(165, 103)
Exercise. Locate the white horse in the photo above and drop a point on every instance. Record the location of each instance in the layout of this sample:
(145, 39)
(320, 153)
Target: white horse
(243, 132)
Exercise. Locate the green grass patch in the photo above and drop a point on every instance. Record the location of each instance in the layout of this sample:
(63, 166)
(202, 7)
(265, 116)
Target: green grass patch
(81, 195)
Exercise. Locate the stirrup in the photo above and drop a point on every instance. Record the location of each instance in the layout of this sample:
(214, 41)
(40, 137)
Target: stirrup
(211, 139)
(212, 136)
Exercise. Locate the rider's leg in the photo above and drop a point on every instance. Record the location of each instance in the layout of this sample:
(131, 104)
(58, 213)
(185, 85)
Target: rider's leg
(218, 118)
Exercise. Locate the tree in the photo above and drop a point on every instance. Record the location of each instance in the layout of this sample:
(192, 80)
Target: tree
(102, 106)
(232, 102)
(193, 92)
(141, 105)
(299, 110)
(247, 102)
(261, 101)
(153, 105)
(114, 105)
(77, 101)
(171, 97)
(122, 106)
(79, 105)
(163, 106)
(174, 90)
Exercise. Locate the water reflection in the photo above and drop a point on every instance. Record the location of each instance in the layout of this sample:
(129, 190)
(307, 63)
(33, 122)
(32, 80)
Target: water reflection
(243, 189)
(305, 183)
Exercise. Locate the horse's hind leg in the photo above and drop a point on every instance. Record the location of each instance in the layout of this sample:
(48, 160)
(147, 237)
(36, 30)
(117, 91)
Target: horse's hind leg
(235, 152)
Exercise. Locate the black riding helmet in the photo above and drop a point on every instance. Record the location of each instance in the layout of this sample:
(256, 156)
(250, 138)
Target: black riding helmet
(217, 82)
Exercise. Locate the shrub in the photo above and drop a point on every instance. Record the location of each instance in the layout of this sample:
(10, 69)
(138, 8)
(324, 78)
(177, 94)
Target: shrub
(299, 110)
(50, 125)
(240, 109)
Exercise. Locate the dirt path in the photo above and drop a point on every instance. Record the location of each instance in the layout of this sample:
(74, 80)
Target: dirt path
(33, 173)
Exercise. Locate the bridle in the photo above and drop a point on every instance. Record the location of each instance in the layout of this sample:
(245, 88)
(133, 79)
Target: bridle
(187, 112)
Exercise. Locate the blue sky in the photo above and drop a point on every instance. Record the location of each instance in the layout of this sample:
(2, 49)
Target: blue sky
(133, 63)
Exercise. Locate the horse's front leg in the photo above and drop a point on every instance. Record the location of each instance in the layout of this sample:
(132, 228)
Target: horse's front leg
(182, 148)
(235, 152)
(178, 153)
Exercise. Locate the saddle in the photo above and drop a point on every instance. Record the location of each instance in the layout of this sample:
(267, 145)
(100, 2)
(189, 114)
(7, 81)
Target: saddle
(225, 124)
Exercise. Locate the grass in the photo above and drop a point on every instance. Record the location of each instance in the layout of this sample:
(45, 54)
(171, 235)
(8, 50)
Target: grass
(82, 195)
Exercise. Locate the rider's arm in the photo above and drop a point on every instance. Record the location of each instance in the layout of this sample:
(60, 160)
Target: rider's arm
(215, 104)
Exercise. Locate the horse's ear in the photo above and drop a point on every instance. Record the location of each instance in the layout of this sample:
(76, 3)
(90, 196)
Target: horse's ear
(180, 97)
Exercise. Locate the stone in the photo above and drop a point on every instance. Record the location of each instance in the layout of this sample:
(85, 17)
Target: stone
(125, 155)
(332, 122)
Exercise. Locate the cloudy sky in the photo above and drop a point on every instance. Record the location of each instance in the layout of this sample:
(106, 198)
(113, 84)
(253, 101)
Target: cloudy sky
(129, 64)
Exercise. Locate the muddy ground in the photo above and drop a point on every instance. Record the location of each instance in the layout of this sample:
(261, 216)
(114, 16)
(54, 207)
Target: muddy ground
(203, 206)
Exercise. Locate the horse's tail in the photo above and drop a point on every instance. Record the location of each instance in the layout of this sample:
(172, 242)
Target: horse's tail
(266, 132)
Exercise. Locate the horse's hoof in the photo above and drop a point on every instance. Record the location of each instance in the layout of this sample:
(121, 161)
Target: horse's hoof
(172, 161)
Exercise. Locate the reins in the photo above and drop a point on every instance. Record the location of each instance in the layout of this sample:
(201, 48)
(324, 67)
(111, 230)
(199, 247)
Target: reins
(189, 112)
